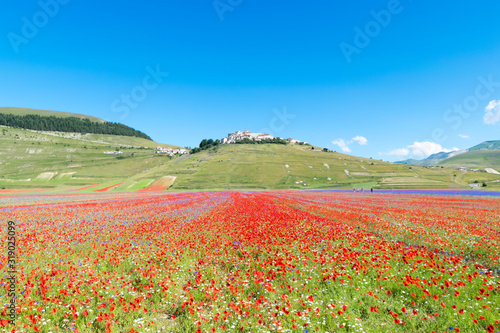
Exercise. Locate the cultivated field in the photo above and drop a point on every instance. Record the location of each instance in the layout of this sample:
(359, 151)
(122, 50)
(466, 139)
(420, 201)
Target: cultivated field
(55, 160)
(281, 261)
(270, 166)
(69, 161)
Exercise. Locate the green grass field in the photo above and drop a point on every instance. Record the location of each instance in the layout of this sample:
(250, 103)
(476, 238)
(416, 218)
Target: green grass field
(265, 167)
(33, 159)
(476, 159)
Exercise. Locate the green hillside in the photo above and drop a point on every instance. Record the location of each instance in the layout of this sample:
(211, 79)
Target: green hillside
(66, 124)
(476, 159)
(488, 145)
(25, 111)
(31, 159)
(67, 161)
(265, 166)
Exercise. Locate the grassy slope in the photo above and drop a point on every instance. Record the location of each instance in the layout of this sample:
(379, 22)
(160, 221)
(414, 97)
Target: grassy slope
(75, 159)
(490, 145)
(477, 159)
(264, 166)
(30, 159)
(25, 111)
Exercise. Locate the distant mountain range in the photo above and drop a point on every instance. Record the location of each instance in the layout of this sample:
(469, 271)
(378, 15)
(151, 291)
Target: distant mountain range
(486, 154)
(434, 158)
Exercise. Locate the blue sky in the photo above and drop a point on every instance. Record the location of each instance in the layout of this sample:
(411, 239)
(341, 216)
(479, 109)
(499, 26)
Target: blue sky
(382, 79)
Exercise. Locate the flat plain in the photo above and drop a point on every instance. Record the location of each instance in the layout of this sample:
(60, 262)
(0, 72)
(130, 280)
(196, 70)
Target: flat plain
(255, 261)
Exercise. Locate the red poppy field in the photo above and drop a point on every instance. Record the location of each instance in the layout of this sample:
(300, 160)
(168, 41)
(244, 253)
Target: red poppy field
(281, 261)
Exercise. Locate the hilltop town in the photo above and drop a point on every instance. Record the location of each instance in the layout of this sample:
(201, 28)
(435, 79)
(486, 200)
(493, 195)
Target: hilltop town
(239, 135)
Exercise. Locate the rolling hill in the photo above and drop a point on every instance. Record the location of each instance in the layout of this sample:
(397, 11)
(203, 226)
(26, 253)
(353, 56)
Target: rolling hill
(475, 159)
(481, 156)
(25, 111)
(271, 166)
(62, 161)
(47, 121)
(487, 145)
(65, 161)
(30, 159)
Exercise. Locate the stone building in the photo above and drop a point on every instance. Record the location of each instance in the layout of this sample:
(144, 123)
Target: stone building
(237, 136)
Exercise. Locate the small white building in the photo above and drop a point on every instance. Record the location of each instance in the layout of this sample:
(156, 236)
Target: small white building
(170, 151)
(293, 141)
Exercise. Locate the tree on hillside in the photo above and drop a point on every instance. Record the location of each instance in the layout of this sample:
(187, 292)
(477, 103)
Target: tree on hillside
(69, 124)
(205, 144)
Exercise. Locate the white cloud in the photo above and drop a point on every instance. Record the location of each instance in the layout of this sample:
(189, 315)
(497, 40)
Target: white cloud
(492, 115)
(342, 144)
(427, 148)
(399, 152)
(360, 139)
(464, 136)
(420, 150)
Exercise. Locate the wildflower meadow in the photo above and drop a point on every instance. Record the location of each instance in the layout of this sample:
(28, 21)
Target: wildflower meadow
(276, 261)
